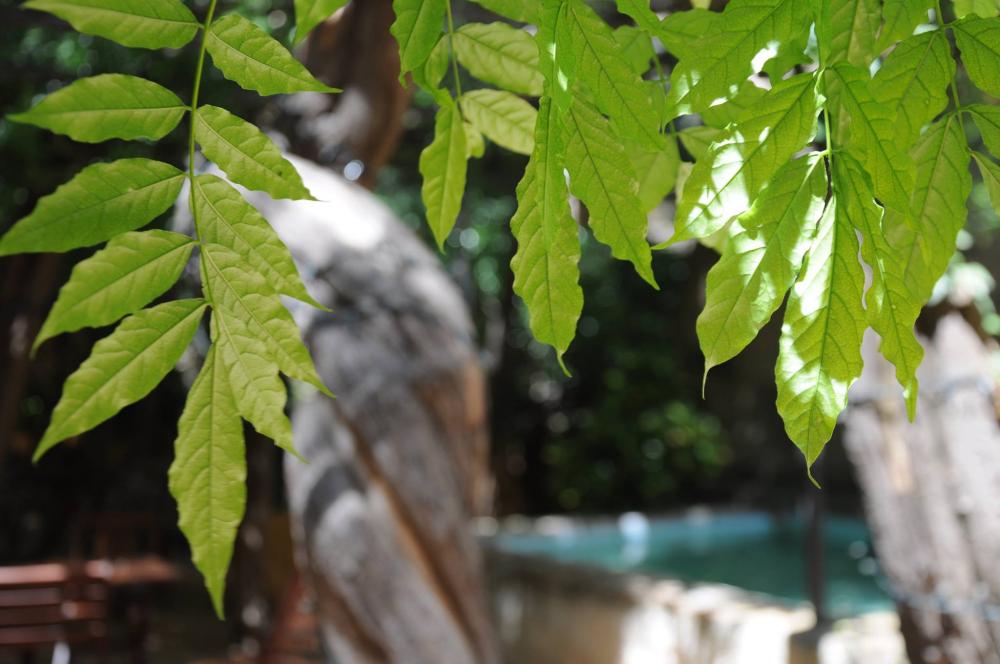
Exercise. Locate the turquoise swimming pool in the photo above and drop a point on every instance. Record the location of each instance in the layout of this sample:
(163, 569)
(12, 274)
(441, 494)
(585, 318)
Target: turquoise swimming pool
(751, 550)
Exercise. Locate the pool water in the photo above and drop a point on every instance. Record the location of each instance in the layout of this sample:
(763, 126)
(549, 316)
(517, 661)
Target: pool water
(751, 550)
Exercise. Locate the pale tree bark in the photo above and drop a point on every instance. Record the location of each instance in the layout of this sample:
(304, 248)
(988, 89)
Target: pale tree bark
(931, 492)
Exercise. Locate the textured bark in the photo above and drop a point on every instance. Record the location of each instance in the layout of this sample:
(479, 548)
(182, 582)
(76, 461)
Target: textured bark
(931, 494)
(398, 462)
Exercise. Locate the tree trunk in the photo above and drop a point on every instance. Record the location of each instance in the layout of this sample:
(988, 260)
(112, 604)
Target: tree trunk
(398, 462)
(931, 494)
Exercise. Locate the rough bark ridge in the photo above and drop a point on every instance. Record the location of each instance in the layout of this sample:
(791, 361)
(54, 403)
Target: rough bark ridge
(931, 492)
(398, 462)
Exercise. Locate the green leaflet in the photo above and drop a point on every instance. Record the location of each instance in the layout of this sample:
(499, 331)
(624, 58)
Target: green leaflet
(990, 173)
(586, 50)
(981, 8)
(443, 166)
(505, 119)
(129, 273)
(310, 13)
(123, 368)
(899, 19)
(656, 172)
(416, 28)
(208, 475)
(95, 109)
(819, 354)
(738, 165)
(525, 11)
(635, 46)
(845, 31)
(987, 119)
(259, 393)
(640, 12)
(100, 202)
(139, 23)
(224, 217)
(500, 54)
(870, 135)
(475, 145)
(682, 32)
(552, 61)
(546, 272)
(696, 140)
(913, 82)
(246, 155)
(979, 41)
(602, 176)
(761, 259)
(743, 103)
(236, 291)
(892, 303)
(725, 59)
(254, 60)
(429, 75)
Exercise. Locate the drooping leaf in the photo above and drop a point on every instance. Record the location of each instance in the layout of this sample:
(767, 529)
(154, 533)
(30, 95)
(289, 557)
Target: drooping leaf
(722, 61)
(990, 173)
(587, 51)
(870, 135)
(416, 28)
(505, 119)
(900, 18)
(443, 167)
(761, 259)
(602, 176)
(500, 54)
(236, 291)
(123, 368)
(546, 272)
(254, 60)
(129, 273)
(138, 23)
(979, 41)
(208, 475)
(892, 304)
(738, 165)
(981, 8)
(913, 82)
(224, 217)
(310, 13)
(525, 11)
(819, 353)
(656, 172)
(100, 202)
(987, 119)
(98, 108)
(246, 155)
(846, 30)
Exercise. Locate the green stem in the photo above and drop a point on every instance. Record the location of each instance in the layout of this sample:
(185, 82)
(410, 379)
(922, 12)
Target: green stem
(828, 149)
(194, 102)
(954, 86)
(454, 59)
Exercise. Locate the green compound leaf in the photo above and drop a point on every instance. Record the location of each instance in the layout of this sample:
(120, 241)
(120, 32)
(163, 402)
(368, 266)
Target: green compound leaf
(443, 167)
(310, 13)
(990, 173)
(892, 304)
(254, 60)
(99, 108)
(682, 32)
(525, 11)
(979, 41)
(138, 23)
(499, 54)
(656, 172)
(246, 155)
(224, 217)
(602, 176)
(987, 119)
(846, 32)
(913, 83)
(237, 292)
(870, 135)
(546, 272)
(721, 62)
(123, 368)
(900, 18)
(416, 29)
(725, 183)
(100, 202)
(129, 273)
(208, 475)
(819, 353)
(761, 259)
(587, 51)
(981, 8)
(505, 119)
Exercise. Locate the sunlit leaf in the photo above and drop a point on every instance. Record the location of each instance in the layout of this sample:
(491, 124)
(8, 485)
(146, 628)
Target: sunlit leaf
(981, 8)
(505, 119)
(416, 28)
(310, 13)
(636, 47)
(139, 23)
(443, 167)
(682, 32)
(696, 140)
(846, 30)
(656, 172)
(499, 54)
